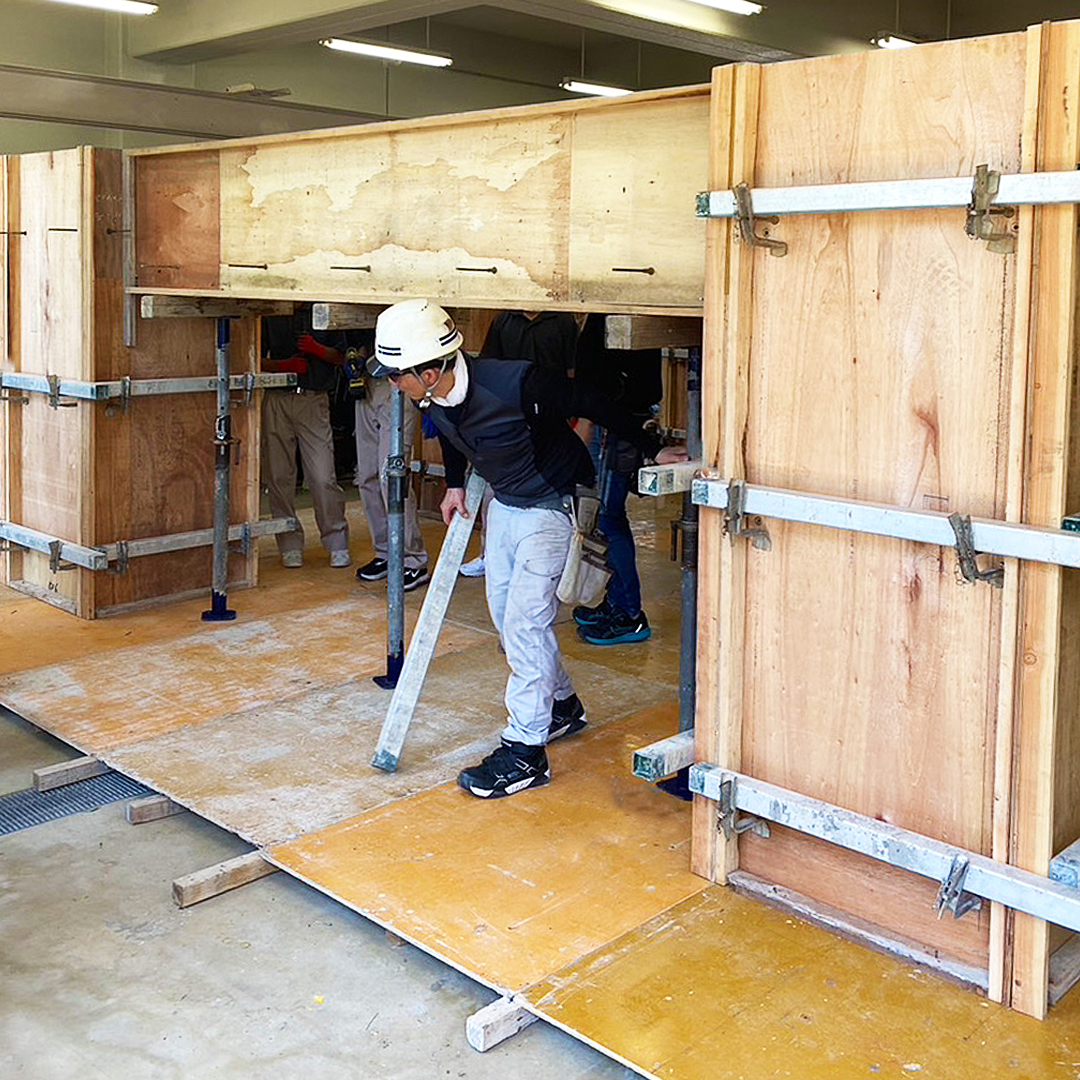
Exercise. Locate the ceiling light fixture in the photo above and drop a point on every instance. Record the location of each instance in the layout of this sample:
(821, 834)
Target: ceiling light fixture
(736, 7)
(387, 52)
(125, 7)
(892, 41)
(576, 86)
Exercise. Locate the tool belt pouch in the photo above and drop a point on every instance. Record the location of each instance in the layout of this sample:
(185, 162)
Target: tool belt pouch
(586, 573)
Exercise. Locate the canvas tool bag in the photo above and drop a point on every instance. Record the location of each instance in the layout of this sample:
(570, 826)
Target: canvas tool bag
(586, 573)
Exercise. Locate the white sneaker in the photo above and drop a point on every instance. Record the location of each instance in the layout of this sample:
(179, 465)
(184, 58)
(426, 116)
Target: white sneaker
(292, 560)
(473, 568)
(340, 558)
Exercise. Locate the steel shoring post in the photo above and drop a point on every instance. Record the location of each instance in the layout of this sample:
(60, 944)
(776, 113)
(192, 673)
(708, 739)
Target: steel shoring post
(219, 607)
(426, 634)
(689, 529)
(396, 478)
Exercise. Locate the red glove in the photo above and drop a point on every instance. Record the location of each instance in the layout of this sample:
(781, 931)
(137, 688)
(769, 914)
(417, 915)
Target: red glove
(294, 363)
(307, 344)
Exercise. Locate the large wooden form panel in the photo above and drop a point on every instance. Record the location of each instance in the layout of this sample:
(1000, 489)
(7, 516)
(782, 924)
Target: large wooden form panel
(93, 473)
(585, 205)
(886, 358)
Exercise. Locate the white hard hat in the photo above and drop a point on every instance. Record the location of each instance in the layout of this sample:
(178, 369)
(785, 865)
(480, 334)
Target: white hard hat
(412, 333)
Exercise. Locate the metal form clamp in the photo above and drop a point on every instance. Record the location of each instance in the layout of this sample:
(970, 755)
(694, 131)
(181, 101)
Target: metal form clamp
(966, 554)
(951, 895)
(983, 216)
(731, 822)
(124, 396)
(735, 519)
(54, 395)
(748, 223)
(56, 548)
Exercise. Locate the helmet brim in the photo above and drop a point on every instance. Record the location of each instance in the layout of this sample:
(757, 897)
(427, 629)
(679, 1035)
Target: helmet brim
(378, 370)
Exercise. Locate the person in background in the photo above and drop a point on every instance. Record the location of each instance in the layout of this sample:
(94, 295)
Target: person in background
(374, 419)
(631, 378)
(548, 338)
(509, 418)
(298, 417)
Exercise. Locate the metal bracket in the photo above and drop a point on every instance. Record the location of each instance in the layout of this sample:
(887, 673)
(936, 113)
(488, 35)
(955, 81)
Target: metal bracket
(247, 394)
(951, 895)
(983, 216)
(748, 223)
(122, 557)
(735, 519)
(54, 395)
(729, 820)
(125, 398)
(14, 399)
(966, 555)
(56, 548)
(245, 539)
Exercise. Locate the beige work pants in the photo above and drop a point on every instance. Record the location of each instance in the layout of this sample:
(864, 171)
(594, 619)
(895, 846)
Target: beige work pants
(291, 420)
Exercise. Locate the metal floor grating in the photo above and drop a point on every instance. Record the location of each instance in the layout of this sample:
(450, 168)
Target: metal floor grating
(23, 809)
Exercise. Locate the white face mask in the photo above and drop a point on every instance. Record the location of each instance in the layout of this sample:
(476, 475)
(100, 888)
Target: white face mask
(460, 386)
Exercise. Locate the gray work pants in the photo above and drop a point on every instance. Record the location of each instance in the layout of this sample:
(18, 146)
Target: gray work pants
(524, 559)
(291, 420)
(373, 421)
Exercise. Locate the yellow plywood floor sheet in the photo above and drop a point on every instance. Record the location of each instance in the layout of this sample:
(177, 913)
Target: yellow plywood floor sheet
(512, 890)
(721, 986)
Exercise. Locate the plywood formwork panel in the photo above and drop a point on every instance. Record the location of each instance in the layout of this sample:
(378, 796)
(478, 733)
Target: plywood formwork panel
(523, 207)
(884, 358)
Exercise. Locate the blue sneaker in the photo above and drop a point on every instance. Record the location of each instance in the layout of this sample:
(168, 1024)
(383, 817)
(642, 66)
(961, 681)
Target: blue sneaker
(618, 629)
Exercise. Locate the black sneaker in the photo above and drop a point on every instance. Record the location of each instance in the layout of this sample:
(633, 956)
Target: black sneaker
(592, 616)
(511, 767)
(567, 717)
(416, 577)
(619, 629)
(375, 570)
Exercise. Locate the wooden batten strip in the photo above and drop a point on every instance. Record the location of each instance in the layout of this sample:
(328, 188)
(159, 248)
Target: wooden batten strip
(223, 877)
(725, 386)
(68, 772)
(651, 332)
(1051, 365)
(210, 307)
(152, 808)
(496, 1023)
(344, 316)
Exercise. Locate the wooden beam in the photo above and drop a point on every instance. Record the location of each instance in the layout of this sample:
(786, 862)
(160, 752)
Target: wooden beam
(496, 1022)
(214, 880)
(152, 808)
(1064, 970)
(664, 758)
(344, 316)
(68, 772)
(651, 331)
(210, 307)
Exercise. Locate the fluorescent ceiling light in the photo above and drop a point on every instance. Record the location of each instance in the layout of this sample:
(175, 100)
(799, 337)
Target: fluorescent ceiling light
(576, 86)
(125, 7)
(736, 7)
(892, 41)
(387, 52)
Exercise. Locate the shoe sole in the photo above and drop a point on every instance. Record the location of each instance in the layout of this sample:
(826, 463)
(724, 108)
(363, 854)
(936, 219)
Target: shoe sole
(416, 584)
(510, 789)
(372, 577)
(622, 639)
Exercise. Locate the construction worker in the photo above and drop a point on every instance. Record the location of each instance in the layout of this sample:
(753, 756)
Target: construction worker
(374, 420)
(298, 417)
(509, 418)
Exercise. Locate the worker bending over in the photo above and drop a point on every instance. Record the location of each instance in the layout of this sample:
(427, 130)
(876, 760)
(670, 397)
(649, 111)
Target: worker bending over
(509, 418)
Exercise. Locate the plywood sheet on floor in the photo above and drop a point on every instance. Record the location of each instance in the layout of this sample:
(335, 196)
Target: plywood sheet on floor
(303, 763)
(722, 986)
(512, 890)
(103, 701)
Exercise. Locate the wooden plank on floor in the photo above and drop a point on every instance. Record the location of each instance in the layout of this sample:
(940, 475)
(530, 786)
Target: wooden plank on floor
(220, 878)
(68, 772)
(152, 808)
(497, 1022)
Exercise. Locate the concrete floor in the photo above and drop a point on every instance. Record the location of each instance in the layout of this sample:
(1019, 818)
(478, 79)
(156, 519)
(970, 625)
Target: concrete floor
(102, 976)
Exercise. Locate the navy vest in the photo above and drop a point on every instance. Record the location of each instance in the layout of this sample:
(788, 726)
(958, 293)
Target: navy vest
(528, 460)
